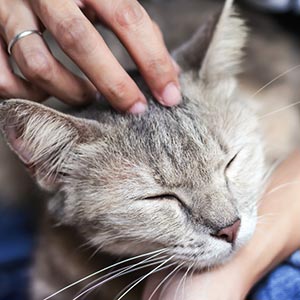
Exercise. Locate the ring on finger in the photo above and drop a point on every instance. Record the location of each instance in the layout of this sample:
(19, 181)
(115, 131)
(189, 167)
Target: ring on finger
(20, 36)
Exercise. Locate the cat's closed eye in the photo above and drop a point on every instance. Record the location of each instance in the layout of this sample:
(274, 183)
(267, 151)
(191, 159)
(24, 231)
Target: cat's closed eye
(164, 197)
(229, 164)
(169, 197)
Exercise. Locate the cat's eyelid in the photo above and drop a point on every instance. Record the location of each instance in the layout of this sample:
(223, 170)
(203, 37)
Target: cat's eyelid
(163, 196)
(232, 160)
(171, 197)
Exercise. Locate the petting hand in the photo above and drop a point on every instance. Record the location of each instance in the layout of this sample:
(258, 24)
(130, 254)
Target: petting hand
(218, 284)
(82, 43)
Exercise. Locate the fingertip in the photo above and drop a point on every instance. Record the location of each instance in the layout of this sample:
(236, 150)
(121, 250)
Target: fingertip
(138, 108)
(170, 96)
(80, 3)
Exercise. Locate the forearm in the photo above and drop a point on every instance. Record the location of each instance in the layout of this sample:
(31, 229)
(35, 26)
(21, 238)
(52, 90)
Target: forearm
(278, 229)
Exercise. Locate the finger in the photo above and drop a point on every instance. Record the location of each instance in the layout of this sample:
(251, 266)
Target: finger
(159, 33)
(129, 20)
(12, 86)
(88, 11)
(80, 40)
(37, 63)
(79, 3)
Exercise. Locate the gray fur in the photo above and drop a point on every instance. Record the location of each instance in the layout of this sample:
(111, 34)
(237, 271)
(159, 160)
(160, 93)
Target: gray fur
(107, 167)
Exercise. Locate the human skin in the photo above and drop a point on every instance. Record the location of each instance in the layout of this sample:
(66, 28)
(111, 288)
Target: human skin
(276, 237)
(69, 22)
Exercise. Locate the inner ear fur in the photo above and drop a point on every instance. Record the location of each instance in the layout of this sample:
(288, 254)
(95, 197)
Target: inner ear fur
(41, 137)
(190, 55)
(215, 51)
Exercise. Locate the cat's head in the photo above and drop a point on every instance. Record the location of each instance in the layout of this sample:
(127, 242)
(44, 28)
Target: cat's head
(185, 179)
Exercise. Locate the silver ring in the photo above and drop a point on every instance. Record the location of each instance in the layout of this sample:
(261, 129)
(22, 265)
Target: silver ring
(20, 36)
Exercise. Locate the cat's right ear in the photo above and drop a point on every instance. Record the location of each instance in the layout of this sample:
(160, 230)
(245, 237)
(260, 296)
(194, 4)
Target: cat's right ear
(42, 138)
(215, 51)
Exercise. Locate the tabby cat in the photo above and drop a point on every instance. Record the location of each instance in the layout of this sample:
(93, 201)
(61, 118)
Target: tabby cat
(178, 183)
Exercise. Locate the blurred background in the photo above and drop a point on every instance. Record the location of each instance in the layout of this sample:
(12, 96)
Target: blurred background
(273, 46)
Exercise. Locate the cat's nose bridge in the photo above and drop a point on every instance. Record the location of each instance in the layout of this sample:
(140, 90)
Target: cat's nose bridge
(216, 213)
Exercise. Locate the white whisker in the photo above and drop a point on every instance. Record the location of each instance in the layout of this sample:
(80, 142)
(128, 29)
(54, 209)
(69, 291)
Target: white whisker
(279, 110)
(181, 282)
(281, 186)
(263, 219)
(98, 283)
(164, 280)
(193, 272)
(266, 215)
(169, 281)
(184, 282)
(132, 283)
(147, 275)
(275, 79)
(103, 270)
(126, 287)
(120, 272)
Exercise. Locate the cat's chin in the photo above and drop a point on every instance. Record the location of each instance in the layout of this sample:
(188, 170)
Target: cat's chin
(214, 258)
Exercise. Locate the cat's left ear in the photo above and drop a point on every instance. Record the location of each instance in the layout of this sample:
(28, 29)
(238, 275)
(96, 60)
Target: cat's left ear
(215, 51)
(42, 138)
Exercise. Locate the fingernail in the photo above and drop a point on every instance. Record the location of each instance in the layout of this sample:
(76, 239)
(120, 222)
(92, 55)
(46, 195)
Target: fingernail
(138, 108)
(175, 65)
(79, 3)
(171, 95)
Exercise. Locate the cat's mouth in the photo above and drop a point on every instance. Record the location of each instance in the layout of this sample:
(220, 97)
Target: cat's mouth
(198, 258)
(213, 251)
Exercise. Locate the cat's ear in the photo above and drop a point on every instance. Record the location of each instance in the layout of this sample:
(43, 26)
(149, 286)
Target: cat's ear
(41, 137)
(215, 51)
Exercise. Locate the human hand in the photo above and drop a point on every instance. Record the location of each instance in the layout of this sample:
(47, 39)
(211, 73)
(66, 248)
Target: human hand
(220, 283)
(82, 43)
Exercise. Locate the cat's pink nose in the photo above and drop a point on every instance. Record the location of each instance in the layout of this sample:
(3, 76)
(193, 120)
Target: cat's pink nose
(229, 234)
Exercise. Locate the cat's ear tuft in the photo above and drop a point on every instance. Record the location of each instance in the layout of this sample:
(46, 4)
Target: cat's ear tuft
(215, 51)
(41, 137)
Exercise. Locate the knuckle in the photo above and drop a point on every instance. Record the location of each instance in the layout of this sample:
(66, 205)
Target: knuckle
(129, 13)
(72, 32)
(37, 66)
(118, 90)
(158, 66)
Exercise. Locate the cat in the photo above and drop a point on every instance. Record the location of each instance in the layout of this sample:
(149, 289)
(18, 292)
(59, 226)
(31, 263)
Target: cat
(179, 183)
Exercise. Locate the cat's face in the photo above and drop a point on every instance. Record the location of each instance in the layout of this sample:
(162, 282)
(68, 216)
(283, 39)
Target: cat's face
(170, 179)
